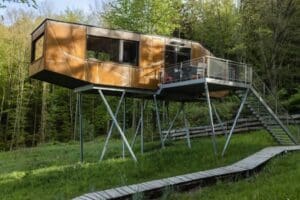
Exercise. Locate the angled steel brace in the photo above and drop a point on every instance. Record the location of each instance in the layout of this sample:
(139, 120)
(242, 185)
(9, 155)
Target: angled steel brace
(213, 136)
(219, 119)
(187, 128)
(172, 123)
(138, 127)
(235, 121)
(111, 127)
(158, 120)
(117, 125)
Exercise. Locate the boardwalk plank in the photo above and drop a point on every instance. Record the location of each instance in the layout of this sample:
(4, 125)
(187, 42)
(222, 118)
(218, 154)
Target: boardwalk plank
(113, 193)
(246, 164)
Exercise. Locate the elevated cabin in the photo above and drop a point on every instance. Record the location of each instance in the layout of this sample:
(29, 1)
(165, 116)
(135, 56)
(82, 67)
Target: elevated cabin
(74, 55)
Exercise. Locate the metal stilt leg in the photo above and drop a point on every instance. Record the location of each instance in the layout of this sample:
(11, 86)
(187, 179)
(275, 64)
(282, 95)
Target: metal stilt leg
(211, 118)
(235, 121)
(158, 120)
(124, 127)
(80, 126)
(187, 128)
(117, 124)
(142, 126)
(111, 127)
(76, 117)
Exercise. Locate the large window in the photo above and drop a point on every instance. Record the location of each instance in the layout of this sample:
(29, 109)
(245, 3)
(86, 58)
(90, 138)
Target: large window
(104, 49)
(108, 49)
(176, 54)
(37, 48)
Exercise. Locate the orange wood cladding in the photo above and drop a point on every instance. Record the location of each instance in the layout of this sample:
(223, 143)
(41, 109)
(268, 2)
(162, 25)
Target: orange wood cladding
(64, 55)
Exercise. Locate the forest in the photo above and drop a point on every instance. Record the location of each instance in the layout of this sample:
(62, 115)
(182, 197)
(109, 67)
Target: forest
(263, 33)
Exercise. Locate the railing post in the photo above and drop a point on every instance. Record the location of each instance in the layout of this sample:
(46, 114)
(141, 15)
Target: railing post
(180, 71)
(208, 67)
(245, 68)
(227, 66)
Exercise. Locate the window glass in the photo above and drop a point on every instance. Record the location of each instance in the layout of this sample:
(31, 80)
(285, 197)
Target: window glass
(176, 54)
(108, 49)
(37, 48)
(130, 52)
(104, 49)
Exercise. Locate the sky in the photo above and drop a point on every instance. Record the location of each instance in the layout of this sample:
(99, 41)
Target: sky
(57, 6)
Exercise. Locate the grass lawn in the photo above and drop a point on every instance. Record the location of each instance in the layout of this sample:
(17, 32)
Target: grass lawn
(53, 172)
(280, 179)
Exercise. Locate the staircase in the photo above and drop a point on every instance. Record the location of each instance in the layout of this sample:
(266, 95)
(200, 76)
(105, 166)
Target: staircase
(264, 106)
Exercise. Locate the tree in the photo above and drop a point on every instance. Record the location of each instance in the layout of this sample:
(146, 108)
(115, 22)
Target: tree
(30, 3)
(144, 16)
(269, 31)
(215, 24)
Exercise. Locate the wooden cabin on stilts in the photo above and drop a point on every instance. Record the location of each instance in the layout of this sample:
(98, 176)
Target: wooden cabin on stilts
(91, 59)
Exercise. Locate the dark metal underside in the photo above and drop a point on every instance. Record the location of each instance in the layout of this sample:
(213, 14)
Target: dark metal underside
(190, 90)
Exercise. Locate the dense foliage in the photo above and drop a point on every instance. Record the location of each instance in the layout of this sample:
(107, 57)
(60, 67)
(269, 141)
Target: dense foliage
(264, 34)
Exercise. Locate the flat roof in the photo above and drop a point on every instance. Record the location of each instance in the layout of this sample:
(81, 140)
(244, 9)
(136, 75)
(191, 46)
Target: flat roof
(81, 24)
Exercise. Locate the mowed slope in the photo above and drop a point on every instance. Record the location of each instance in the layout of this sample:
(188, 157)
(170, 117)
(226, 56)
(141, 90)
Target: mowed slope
(53, 171)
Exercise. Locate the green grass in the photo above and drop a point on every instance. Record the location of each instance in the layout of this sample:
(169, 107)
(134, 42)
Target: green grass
(278, 180)
(53, 171)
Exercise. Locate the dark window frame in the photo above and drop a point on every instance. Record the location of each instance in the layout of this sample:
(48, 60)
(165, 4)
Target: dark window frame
(132, 64)
(33, 48)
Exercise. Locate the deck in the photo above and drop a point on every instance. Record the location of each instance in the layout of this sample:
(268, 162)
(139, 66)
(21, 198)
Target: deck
(154, 188)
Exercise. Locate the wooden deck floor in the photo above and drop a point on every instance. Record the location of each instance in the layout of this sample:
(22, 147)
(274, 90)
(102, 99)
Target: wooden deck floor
(154, 188)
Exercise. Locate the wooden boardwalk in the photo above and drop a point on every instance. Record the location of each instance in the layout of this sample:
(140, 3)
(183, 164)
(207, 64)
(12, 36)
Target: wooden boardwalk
(155, 188)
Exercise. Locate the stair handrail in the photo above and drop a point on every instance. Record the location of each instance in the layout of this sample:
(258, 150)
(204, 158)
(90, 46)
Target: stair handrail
(278, 108)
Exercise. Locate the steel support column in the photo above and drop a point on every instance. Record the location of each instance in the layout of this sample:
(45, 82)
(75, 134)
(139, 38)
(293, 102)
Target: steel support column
(80, 125)
(235, 121)
(211, 118)
(142, 125)
(187, 128)
(124, 127)
(111, 127)
(158, 120)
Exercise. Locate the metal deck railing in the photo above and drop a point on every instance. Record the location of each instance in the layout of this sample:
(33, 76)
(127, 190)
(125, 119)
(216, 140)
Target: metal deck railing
(208, 67)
